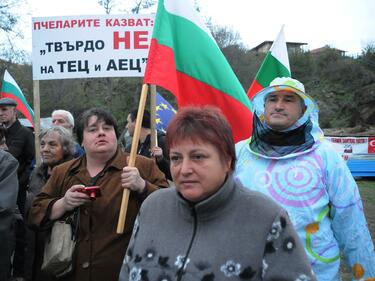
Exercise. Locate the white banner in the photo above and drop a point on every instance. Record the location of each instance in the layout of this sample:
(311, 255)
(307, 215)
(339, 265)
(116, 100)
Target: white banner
(90, 46)
(347, 146)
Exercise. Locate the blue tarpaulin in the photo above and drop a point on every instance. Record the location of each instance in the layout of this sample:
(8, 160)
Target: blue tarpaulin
(362, 165)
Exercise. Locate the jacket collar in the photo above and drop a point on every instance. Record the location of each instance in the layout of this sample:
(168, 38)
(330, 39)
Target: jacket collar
(118, 162)
(14, 127)
(211, 206)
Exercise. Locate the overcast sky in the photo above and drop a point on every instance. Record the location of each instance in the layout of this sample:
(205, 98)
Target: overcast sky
(348, 25)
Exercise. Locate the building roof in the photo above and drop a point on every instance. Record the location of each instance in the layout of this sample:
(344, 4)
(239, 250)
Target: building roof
(264, 43)
(326, 47)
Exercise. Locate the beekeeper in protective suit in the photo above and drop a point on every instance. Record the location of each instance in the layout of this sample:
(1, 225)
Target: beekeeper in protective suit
(288, 159)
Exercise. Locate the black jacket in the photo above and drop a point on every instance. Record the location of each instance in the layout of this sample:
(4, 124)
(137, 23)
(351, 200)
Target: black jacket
(20, 142)
(145, 150)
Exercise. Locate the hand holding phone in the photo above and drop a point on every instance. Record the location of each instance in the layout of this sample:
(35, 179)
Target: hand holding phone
(92, 191)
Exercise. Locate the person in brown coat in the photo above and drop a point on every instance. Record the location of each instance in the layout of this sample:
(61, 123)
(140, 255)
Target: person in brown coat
(99, 250)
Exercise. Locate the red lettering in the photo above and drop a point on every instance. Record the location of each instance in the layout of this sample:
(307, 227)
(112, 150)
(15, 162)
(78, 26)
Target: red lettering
(117, 40)
(116, 22)
(140, 39)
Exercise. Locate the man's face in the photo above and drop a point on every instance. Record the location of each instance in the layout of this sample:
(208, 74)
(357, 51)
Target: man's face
(283, 109)
(61, 120)
(7, 115)
(130, 125)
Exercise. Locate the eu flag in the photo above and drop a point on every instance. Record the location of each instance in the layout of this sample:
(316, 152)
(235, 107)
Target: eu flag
(164, 113)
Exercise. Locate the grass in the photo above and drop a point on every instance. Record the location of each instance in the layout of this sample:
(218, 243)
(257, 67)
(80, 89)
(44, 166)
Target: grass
(367, 191)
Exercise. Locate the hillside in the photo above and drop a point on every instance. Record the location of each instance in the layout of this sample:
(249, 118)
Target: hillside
(344, 87)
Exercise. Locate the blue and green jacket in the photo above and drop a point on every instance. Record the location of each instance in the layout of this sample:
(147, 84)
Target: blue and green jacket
(316, 188)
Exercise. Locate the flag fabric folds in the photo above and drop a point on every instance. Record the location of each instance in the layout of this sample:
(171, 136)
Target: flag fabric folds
(11, 90)
(275, 64)
(185, 59)
(164, 113)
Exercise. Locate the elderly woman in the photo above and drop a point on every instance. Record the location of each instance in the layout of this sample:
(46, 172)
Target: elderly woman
(99, 249)
(56, 147)
(212, 228)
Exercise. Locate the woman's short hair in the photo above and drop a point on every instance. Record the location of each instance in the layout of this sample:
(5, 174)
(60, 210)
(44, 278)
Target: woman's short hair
(65, 138)
(205, 124)
(101, 114)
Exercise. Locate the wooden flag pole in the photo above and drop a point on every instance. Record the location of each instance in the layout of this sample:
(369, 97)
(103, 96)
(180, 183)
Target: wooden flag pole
(154, 136)
(36, 122)
(133, 154)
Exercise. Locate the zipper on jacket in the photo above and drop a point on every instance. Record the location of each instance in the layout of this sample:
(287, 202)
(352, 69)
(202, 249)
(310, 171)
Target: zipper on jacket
(181, 270)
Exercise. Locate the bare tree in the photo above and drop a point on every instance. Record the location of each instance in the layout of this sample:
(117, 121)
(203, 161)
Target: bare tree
(9, 32)
(142, 4)
(7, 18)
(139, 5)
(107, 5)
(225, 36)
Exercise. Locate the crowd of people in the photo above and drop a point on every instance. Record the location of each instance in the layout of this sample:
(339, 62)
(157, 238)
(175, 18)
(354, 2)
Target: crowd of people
(281, 205)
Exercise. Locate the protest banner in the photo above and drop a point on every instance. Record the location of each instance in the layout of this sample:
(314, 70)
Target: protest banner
(348, 146)
(90, 46)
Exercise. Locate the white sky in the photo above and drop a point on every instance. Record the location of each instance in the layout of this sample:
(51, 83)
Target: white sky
(344, 24)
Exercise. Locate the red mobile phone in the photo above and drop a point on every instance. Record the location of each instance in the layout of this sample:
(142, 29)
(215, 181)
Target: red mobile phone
(92, 191)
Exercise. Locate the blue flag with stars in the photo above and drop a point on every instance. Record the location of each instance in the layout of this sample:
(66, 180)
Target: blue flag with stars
(164, 113)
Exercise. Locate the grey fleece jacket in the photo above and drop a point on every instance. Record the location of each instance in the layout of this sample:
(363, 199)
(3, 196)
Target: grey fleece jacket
(235, 234)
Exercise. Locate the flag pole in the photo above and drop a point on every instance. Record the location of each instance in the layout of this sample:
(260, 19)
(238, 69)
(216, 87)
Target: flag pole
(133, 154)
(153, 116)
(36, 121)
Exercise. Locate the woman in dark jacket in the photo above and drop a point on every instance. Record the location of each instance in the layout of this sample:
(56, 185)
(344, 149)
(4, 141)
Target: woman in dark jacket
(99, 249)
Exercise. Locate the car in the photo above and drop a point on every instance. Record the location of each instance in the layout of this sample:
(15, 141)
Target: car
(44, 123)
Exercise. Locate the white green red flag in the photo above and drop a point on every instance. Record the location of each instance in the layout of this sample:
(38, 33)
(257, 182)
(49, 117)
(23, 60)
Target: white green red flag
(185, 59)
(275, 64)
(11, 90)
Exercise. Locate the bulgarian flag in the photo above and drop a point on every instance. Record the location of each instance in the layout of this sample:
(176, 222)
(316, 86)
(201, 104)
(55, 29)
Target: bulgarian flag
(275, 64)
(185, 59)
(11, 90)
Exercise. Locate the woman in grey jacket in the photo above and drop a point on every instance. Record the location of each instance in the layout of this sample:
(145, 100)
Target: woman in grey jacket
(209, 227)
